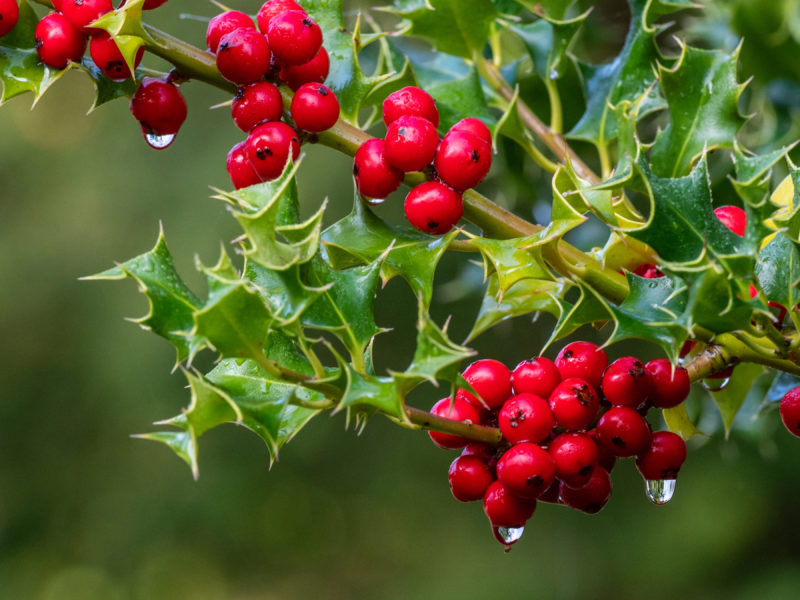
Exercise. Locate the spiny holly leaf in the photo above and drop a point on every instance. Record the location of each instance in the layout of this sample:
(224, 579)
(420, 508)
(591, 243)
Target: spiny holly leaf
(678, 421)
(547, 41)
(124, 25)
(588, 309)
(730, 399)
(752, 171)
(20, 69)
(105, 89)
(234, 319)
(464, 96)
(702, 95)
(459, 27)
(715, 303)
(172, 303)
(400, 75)
(371, 392)
(284, 292)
(182, 443)
(362, 237)
(554, 9)
(345, 305)
(778, 271)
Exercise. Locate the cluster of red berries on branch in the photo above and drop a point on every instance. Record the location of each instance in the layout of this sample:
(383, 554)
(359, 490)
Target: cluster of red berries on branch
(456, 163)
(564, 424)
(283, 45)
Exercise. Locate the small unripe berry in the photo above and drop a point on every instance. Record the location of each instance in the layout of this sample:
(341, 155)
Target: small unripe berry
(314, 71)
(575, 455)
(626, 382)
(295, 38)
(475, 127)
(407, 102)
(158, 106)
(375, 177)
(243, 56)
(590, 497)
(82, 12)
(314, 107)
(538, 376)
(623, 432)
(240, 169)
(574, 404)
(504, 509)
(526, 470)
(269, 147)
(469, 478)
(733, 217)
(411, 143)
(225, 23)
(526, 418)
(668, 387)
(107, 56)
(433, 208)
(255, 104)
(57, 42)
(273, 8)
(663, 458)
(790, 411)
(458, 410)
(584, 360)
(9, 15)
(492, 380)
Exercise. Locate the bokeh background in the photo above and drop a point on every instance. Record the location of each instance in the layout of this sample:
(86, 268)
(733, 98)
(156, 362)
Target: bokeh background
(88, 513)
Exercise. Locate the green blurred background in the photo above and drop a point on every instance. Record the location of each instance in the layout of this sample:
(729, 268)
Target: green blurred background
(88, 513)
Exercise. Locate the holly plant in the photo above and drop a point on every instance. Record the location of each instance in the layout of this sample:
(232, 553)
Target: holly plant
(700, 215)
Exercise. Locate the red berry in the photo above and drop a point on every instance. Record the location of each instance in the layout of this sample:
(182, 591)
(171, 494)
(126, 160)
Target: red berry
(58, 42)
(590, 497)
(243, 56)
(433, 207)
(574, 404)
(668, 387)
(273, 8)
(151, 4)
(269, 147)
(626, 382)
(225, 23)
(526, 470)
(504, 509)
(314, 107)
(575, 455)
(462, 160)
(375, 178)
(158, 106)
(469, 478)
(482, 451)
(410, 101)
(240, 169)
(314, 71)
(526, 418)
(733, 217)
(475, 127)
(790, 411)
(255, 104)
(9, 15)
(604, 458)
(686, 348)
(82, 12)
(411, 143)
(584, 360)
(492, 380)
(623, 431)
(107, 56)
(648, 271)
(458, 410)
(664, 457)
(536, 376)
(295, 38)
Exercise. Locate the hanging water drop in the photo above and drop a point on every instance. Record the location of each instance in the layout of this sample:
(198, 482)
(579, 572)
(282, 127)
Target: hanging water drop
(660, 491)
(508, 535)
(716, 385)
(159, 142)
(374, 201)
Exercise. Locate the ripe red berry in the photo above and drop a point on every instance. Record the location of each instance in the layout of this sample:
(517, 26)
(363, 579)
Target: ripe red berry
(273, 8)
(584, 360)
(626, 382)
(590, 497)
(256, 103)
(575, 455)
(482, 451)
(314, 71)
(491, 379)
(375, 178)
(243, 56)
(648, 271)
(107, 56)
(668, 387)
(432, 207)
(469, 478)
(604, 458)
(57, 42)
(82, 12)
(462, 160)
(158, 106)
(269, 146)
(240, 169)
(314, 107)
(526, 418)
(623, 431)
(225, 23)
(407, 102)
(574, 404)
(733, 217)
(459, 410)
(411, 143)
(295, 38)
(536, 376)
(475, 127)
(151, 4)
(790, 411)
(504, 509)
(9, 15)
(526, 470)
(664, 457)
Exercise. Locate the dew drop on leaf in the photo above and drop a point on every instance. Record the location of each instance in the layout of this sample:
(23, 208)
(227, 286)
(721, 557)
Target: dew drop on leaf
(660, 491)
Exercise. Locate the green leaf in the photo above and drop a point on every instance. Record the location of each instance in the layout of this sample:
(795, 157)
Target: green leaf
(369, 391)
(678, 421)
(730, 399)
(172, 303)
(459, 27)
(778, 271)
(714, 303)
(284, 292)
(461, 97)
(554, 9)
(702, 95)
(105, 89)
(547, 42)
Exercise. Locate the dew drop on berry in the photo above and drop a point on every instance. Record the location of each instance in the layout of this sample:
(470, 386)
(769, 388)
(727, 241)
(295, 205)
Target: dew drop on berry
(716, 385)
(660, 491)
(508, 535)
(159, 142)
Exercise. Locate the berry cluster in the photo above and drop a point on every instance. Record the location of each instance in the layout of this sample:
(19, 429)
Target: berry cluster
(459, 161)
(564, 424)
(284, 44)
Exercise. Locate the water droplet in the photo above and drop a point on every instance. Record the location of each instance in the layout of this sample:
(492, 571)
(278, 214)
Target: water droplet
(553, 74)
(660, 491)
(508, 535)
(716, 385)
(159, 142)
(374, 201)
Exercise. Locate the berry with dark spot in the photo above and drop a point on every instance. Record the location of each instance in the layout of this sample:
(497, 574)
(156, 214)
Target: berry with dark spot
(526, 418)
(256, 103)
(243, 56)
(663, 458)
(375, 177)
(790, 411)
(314, 107)
(526, 470)
(626, 382)
(410, 102)
(462, 160)
(590, 497)
(458, 410)
(469, 478)
(536, 376)
(491, 379)
(575, 455)
(584, 360)
(574, 404)
(273, 8)
(669, 386)
(57, 42)
(411, 143)
(107, 56)
(295, 38)
(623, 432)
(269, 147)
(240, 169)
(433, 207)
(225, 23)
